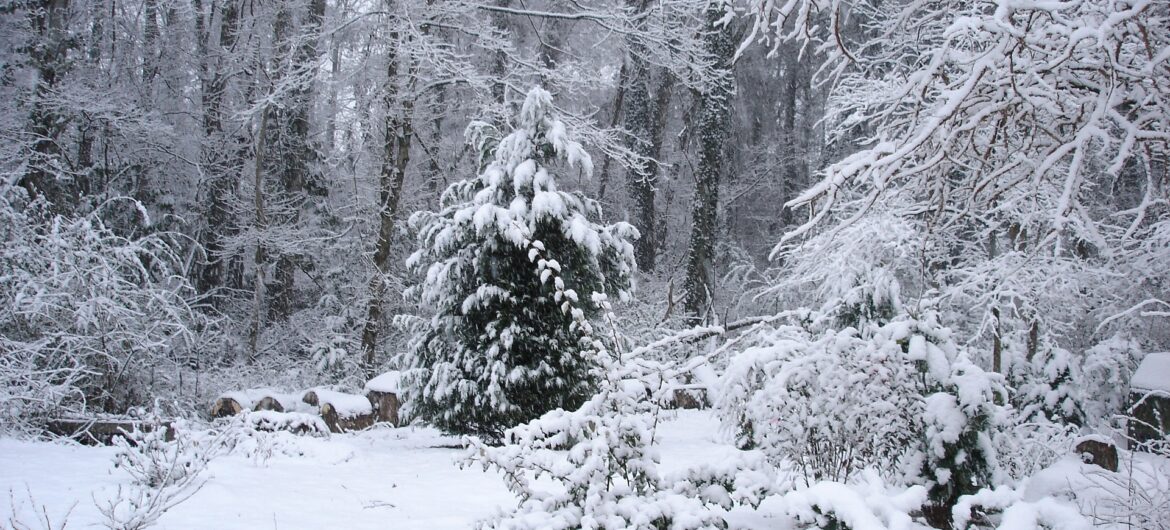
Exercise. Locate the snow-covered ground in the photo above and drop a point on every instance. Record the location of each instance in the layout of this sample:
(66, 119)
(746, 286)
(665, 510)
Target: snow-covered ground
(402, 478)
(409, 478)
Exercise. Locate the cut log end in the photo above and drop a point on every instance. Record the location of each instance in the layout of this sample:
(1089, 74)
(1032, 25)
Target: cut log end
(385, 406)
(225, 407)
(269, 403)
(338, 423)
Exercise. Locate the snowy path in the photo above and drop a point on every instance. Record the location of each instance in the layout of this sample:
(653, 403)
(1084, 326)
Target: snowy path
(384, 478)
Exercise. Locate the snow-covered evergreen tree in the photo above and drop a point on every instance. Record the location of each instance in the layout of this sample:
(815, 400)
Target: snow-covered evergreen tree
(499, 264)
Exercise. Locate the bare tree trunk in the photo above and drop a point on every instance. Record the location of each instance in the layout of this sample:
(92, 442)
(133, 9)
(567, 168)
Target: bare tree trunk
(218, 161)
(45, 123)
(259, 259)
(396, 156)
(712, 126)
(618, 101)
(296, 151)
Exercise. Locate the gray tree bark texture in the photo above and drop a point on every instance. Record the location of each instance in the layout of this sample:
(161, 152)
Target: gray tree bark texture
(712, 127)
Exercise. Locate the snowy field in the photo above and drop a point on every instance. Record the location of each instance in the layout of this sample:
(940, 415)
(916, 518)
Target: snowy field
(409, 478)
(406, 478)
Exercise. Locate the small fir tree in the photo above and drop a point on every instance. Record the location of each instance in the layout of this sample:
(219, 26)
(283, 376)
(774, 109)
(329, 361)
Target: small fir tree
(499, 265)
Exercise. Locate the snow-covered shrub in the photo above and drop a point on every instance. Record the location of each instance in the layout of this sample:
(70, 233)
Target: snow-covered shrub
(87, 316)
(901, 398)
(153, 462)
(854, 275)
(1014, 512)
(1028, 445)
(868, 504)
(834, 403)
(958, 457)
(1049, 387)
(163, 473)
(1105, 372)
(499, 350)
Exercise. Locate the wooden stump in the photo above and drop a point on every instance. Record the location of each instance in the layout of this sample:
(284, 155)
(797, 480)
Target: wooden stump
(385, 406)
(226, 406)
(310, 397)
(339, 423)
(1097, 452)
(269, 403)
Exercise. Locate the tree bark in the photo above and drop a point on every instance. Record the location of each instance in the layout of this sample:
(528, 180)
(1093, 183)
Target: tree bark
(296, 150)
(712, 126)
(396, 156)
(218, 161)
(46, 125)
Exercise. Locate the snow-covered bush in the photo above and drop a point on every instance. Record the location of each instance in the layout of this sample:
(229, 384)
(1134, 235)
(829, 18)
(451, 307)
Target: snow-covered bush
(1050, 387)
(958, 457)
(901, 398)
(87, 316)
(1105, 372)
(499, 350)
(854, 275)
(834, 403)
(869, 504)
(1013, 511)
(163, 473)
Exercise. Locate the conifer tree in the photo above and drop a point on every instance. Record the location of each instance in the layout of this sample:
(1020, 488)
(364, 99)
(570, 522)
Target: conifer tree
(499, 265)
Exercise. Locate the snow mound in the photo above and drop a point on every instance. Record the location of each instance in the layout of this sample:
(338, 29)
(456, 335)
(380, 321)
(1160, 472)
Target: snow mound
(295, 422)
(387, 382)
(1153, 375)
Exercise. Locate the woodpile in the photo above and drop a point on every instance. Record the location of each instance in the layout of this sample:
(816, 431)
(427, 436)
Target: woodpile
(1149, 404)
(382, 391)
(337, 411)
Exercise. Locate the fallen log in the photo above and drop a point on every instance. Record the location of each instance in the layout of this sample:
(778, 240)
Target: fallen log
(342, 412)
(103, 431)
(338, 422)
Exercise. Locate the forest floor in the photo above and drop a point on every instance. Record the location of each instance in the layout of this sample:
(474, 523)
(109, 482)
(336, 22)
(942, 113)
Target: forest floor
(400, 478)
(404, 478)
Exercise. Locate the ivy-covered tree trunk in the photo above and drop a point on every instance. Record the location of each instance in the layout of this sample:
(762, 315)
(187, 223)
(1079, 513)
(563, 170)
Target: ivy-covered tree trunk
(712, 126)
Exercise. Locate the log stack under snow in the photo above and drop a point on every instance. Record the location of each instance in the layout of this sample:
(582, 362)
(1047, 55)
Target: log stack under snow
(337, 411)
(342, 412)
